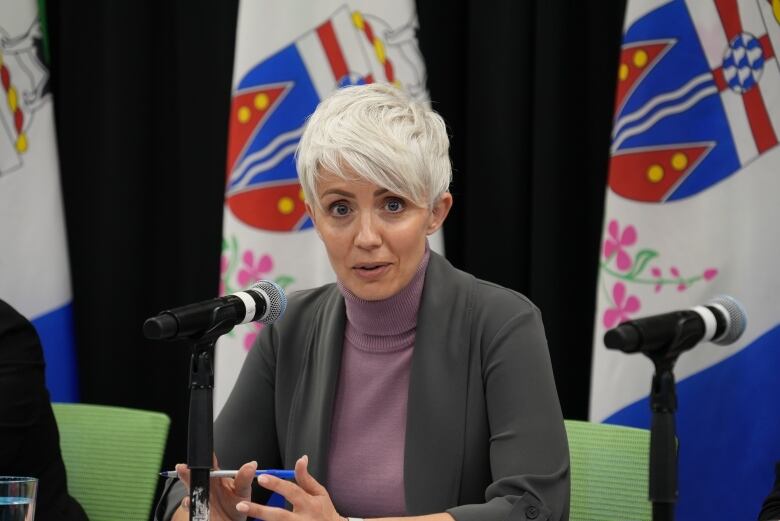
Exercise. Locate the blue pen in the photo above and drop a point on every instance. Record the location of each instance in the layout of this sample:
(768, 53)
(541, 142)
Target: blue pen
(283, 474)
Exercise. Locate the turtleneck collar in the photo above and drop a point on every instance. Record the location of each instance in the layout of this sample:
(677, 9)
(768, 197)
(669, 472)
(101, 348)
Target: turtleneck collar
(389, 324)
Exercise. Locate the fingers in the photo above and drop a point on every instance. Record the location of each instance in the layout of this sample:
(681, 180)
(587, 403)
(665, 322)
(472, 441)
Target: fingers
(244, 478)
(306, 480)
(184, 474)
(264, 512)
(291, 492)
(184, 471)
(301, 493)
(310, 500)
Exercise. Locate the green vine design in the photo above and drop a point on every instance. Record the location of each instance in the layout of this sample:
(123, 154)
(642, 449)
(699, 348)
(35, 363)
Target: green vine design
(643, 257)
(232, 247)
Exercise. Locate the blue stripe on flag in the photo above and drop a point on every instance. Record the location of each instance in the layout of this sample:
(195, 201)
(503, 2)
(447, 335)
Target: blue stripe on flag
(59, 350)
(284, 67)
(728, 413)
(703, 122)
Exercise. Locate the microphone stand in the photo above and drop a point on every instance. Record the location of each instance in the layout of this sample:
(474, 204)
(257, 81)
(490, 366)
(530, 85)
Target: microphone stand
(663, 449)
(663, 404)
(200, 426)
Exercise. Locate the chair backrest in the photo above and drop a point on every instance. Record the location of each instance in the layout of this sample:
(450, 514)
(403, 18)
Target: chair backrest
(112, 457)
(609, 466)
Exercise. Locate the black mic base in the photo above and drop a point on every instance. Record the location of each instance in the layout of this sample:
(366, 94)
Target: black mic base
(199, 494)
(662, 490)
(663, 511)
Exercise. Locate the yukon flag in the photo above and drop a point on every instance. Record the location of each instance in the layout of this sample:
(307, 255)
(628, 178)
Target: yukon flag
(692, 212)
(289, 56)
(34, 269)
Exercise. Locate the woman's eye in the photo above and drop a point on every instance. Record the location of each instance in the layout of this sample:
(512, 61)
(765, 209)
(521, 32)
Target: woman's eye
(339, 209)
(394, 205)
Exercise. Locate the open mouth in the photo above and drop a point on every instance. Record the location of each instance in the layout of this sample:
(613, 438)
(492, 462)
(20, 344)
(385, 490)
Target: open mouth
(372, 269)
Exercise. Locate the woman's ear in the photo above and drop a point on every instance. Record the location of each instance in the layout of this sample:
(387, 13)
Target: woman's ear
(439, 212)
(312, 215)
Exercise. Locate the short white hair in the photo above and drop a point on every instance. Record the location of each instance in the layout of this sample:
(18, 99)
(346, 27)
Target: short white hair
(376, 132)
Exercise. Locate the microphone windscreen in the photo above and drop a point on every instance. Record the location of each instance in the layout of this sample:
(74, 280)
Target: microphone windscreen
(736, 316)
(277, 300)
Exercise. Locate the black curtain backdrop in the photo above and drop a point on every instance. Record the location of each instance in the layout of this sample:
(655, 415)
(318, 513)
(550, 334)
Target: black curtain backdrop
(527, 88)
(142, 93)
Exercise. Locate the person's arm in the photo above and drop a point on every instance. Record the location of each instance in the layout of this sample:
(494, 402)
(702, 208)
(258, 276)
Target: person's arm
(529, 454)
(310, 500)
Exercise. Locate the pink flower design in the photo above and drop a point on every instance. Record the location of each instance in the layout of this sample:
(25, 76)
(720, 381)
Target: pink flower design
(710, 274)
(253, 271)
(682, 286)
(617, 241)
(656, 272)
(250, 337)
(623, 306)
(224, 264)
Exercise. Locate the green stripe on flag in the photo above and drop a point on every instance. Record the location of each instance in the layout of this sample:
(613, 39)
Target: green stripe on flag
(42, 19)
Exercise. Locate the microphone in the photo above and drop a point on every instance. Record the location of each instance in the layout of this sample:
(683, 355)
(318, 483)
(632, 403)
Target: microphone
(721, 321)
(265, 302)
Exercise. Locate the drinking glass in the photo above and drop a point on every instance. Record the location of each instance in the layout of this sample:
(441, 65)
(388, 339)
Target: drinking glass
(17, 498)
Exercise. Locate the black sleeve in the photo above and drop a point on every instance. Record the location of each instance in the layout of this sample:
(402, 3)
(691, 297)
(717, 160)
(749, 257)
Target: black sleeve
(771, 509)
(29, 439)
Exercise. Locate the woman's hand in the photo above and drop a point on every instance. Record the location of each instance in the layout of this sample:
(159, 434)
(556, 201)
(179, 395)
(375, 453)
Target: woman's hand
(224, 493)
(309, 499)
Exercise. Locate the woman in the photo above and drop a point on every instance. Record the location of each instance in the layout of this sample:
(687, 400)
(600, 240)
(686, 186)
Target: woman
(408, 388)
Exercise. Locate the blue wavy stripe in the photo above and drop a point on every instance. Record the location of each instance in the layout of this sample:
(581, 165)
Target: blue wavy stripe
(728, 424)
(59, 349)
(704, 122)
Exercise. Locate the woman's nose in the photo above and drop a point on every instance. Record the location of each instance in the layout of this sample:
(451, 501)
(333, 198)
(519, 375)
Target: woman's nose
(368, 236)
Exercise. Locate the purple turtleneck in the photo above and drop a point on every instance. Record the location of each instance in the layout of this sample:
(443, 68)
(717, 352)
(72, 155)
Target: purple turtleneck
(368, 431)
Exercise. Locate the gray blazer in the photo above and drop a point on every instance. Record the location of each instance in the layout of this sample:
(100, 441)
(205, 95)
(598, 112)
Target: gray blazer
(485, 438)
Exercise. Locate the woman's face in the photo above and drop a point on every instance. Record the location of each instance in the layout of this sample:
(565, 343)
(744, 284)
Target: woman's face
(375, 239)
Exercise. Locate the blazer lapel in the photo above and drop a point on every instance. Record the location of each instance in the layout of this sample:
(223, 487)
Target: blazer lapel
(312, 406)
(436, 411)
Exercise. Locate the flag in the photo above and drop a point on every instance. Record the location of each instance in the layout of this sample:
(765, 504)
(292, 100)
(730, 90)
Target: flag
(289, 56)
(34, 267)
(691, 212)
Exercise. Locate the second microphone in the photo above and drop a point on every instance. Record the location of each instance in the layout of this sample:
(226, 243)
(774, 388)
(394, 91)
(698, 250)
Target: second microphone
(264, 302)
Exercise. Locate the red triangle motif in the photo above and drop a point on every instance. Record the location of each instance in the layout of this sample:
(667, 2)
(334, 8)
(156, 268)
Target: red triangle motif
(247, 113)
(651, 175)
(278, 208)
(635, 60)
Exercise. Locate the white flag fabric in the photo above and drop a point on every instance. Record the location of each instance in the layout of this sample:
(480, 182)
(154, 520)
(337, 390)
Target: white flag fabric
(290, 54)
(691, 212)
(34, 267)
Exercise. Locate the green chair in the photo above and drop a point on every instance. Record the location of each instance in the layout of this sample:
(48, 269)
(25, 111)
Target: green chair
(608, 472)
(112, 457)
